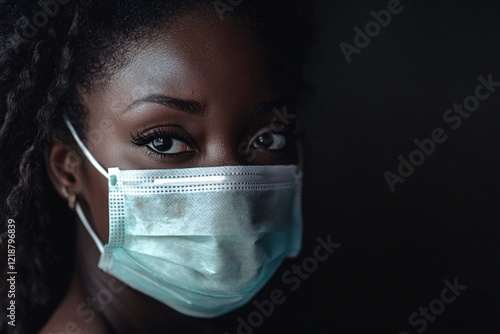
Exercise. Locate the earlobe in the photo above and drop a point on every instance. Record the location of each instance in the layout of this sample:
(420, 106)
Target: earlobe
(63, 165)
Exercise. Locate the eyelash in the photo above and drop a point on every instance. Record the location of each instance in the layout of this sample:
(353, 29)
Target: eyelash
(142, 139)
(289, 132)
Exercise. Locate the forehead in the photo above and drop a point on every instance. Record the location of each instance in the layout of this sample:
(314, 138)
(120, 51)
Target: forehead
(195, 56)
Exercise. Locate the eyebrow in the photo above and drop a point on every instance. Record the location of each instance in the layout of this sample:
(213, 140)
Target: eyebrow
(189, 106)
(194, 107)
(267, 107)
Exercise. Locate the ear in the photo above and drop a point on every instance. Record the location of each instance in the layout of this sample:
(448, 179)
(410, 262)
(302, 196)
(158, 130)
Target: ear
(64, 168)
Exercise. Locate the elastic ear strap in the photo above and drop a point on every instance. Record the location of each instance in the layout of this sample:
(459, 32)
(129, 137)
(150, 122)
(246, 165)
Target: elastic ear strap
(84, 149)
(89, 229)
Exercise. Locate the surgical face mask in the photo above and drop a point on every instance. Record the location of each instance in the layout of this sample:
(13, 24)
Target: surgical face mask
(204, 240)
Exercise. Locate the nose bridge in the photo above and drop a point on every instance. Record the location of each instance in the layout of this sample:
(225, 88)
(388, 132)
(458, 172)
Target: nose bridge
(223, 151)
(225, 144)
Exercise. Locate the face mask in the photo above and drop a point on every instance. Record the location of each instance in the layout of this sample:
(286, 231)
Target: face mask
(204, 240)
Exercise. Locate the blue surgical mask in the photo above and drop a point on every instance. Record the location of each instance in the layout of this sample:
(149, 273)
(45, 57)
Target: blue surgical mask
(203, 240)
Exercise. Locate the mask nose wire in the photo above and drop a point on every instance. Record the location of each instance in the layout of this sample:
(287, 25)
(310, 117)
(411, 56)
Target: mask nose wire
(100, 169)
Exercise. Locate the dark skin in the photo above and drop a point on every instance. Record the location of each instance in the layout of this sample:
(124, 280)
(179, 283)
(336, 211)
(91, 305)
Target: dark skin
(219, 72)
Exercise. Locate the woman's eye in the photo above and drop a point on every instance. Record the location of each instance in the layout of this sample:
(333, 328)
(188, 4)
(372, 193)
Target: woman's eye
(269, 141)
(164, 144)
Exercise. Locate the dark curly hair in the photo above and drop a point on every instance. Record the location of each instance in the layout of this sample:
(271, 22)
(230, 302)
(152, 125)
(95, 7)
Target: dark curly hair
(48, 50)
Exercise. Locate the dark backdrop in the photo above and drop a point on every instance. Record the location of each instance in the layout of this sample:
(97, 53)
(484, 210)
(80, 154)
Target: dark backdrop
(398, 248)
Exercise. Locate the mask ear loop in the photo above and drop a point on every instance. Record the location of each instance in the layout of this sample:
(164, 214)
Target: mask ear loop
(74, 204)
(85, 223)
(84, 149)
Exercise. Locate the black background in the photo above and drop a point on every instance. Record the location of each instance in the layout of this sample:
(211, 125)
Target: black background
(398, 247)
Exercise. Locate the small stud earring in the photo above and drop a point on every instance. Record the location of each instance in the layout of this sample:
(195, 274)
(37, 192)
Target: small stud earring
(70, 197)
(72, 201)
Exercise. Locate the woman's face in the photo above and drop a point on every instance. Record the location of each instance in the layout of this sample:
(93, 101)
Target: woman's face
(201, 94)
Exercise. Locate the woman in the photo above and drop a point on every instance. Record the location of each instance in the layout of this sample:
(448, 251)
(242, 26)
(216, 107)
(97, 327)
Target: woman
(169, 129)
